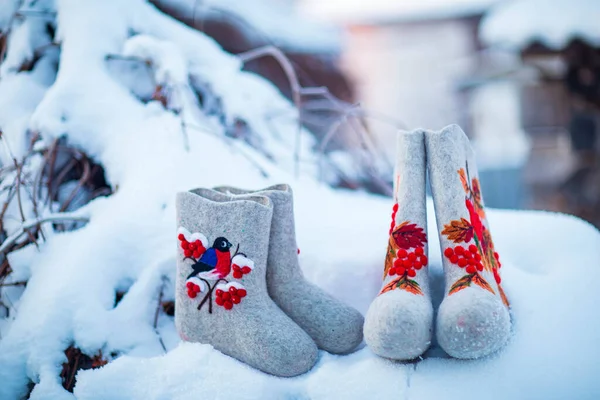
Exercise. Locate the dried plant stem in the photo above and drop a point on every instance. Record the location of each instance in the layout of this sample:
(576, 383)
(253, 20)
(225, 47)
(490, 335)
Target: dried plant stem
(290, 73)
(158, 307)
(84, 178)
(61, 217)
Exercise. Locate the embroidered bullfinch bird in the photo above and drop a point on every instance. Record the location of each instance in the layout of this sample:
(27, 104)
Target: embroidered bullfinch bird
(215, 262)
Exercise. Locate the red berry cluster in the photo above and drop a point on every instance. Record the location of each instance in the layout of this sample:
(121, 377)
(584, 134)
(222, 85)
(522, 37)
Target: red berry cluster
(192, 289)
(227, 298)
(194, 249)
(496, 273)
(409, 262)
(393, 224)
(497, 257)
(465, 258)
(239, 272)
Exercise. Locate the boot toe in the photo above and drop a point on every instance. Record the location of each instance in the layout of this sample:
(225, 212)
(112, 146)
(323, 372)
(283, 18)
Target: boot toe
(472, 323)
(398, 325)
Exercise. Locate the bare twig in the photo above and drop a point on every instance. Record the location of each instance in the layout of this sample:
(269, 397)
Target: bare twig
(290, 72)
(158, 307)
(38, 221)
(332, 131)
(19, 283)
(18, 168)
(232, 145)
(35, 13)
(84, 178)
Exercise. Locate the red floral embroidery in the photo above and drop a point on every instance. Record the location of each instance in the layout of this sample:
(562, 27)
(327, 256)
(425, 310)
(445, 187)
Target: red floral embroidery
(211, 267)
(480, 254)
(408, 262)
(229, 294)
(405, 255)
(394, 211)
(470, 260)
(408, 236)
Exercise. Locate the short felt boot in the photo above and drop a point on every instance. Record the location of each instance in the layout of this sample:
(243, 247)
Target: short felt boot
(473, 319)
(221, 292)
(399, 322)
(334, 326)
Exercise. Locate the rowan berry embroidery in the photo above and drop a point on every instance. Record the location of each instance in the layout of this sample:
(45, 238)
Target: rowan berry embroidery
(405, 255)
(478, 253)
(211, 267)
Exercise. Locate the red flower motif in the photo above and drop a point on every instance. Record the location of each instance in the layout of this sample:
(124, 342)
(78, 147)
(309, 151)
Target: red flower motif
(475, 220)
(409, 236)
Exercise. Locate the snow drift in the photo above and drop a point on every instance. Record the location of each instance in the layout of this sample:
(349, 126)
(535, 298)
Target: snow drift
(150, 149)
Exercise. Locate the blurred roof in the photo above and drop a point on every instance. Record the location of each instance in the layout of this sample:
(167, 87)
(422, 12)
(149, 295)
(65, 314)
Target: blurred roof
(279, 23)
(390, 11)
(553, 23)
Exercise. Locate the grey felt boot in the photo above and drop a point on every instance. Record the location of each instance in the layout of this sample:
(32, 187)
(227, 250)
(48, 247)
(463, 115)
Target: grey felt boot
(398, 324)
(473, 319)
(221, 292)
(334, 326)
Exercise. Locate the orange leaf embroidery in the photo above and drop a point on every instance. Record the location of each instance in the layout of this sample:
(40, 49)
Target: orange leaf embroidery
(503, 296)
(489, 261)
(479, 281)
(403, 283)
(410, 286)
(389, 258)
(477, 200)
(463, 180)
(390, 286)
(461, 284)
(407, 236)
(459, 231)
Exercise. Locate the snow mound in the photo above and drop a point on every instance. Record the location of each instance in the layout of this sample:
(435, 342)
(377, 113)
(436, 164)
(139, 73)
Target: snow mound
(381, 11)
(516, 24)
(277, 23)
(100, 288)
(552, 290)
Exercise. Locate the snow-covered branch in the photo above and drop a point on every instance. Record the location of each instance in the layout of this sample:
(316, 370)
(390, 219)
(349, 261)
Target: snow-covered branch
(28, 224)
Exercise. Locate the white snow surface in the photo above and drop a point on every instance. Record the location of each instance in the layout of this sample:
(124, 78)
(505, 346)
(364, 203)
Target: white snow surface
(550, 261)
(382, 11)
(516, 24)
(272, 21)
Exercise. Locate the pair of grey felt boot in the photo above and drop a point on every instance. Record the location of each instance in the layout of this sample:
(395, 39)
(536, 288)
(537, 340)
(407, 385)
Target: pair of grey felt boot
(473, 319)
(240, 288)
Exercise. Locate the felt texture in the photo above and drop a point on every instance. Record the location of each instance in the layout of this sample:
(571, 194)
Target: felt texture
(473, 320)
(255, 331)
(398, 324)
(334, 326)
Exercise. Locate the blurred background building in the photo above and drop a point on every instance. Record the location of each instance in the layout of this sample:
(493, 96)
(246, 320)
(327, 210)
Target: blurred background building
(522, 77)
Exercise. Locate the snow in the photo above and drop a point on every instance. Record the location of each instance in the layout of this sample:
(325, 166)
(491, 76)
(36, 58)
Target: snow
(268, 21)
(385, 11)
(553, 23)
(549, 260)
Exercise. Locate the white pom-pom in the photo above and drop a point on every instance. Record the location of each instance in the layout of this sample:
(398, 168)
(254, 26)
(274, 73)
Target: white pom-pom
(192, 237)
(242, 261)
(225, 286)
(198, 282)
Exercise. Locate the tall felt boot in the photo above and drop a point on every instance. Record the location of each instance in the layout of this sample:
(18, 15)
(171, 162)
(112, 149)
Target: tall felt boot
(398, 324)
(473, 319)
(334, 326)
(233, 311)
